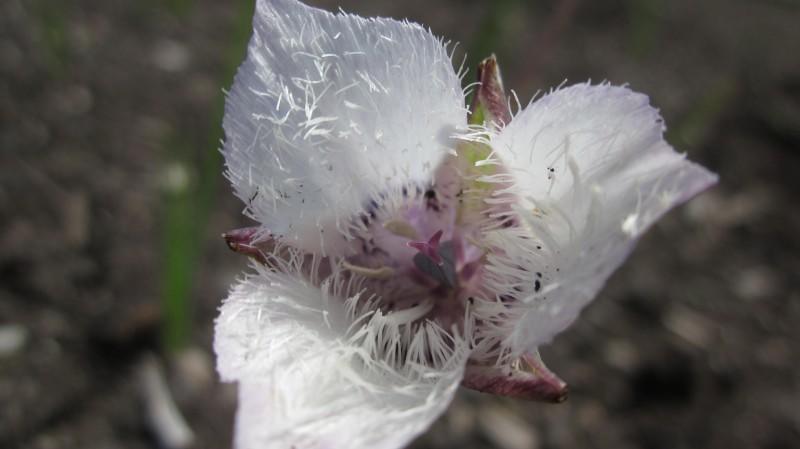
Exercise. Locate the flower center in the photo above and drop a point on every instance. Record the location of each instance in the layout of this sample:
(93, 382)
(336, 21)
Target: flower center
(418, 256)
(419, 248)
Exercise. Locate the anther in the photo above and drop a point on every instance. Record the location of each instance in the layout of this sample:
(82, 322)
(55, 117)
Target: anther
(383, 272)
(401, 228)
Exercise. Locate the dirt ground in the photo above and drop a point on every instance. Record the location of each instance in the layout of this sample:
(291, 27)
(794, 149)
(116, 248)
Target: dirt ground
(106, 108)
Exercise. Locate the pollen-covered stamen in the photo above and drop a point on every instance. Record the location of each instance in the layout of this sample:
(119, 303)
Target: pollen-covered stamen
(382, 272)
(401, 228)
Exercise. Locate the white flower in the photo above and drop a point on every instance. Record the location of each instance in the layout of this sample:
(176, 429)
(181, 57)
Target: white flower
(403, 251)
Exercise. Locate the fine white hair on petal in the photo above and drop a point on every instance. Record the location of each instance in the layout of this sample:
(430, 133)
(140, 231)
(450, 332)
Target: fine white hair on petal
(330, 111)
(591, 172)
(318, 371)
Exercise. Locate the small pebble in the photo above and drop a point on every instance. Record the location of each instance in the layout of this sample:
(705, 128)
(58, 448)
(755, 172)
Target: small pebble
(756, 283)
(161, 412)
(12, 339)
(175, 178)
(690, 325)
(621, 354)
(171, 56)
(507, 430)
(194, 370)
(72, 101)
(723, 210)
(461, 419)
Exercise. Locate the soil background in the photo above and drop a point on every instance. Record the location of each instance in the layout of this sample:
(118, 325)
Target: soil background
(112, 198)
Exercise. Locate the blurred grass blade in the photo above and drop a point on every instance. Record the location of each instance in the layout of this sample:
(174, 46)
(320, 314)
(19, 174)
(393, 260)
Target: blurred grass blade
(189, 206)
(698, 122)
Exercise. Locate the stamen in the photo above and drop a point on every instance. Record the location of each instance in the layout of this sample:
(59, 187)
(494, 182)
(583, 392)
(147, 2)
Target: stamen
(383, 272)
(401, 228)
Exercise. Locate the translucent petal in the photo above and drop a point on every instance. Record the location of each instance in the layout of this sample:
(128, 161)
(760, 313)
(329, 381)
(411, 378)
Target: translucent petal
(315, 373)
(330, 111)
(591, 173)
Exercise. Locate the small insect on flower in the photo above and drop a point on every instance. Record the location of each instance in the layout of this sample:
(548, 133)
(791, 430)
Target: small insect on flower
(407, 244)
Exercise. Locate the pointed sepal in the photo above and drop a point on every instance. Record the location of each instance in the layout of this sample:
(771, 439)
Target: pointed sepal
(490, 105)
(249, 241)
(526, 378)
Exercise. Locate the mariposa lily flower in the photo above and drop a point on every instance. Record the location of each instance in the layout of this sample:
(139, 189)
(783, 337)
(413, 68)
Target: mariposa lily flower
(406, 244)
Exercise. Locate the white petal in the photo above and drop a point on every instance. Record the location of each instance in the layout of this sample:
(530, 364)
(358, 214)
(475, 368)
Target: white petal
(313, 376)
(329, 111)
(593, 172)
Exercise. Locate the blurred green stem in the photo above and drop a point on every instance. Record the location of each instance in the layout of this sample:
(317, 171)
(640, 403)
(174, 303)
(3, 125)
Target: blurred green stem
(180, 251)
(189, 206)
(53, 29)
(645, 19)
(701, 117)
